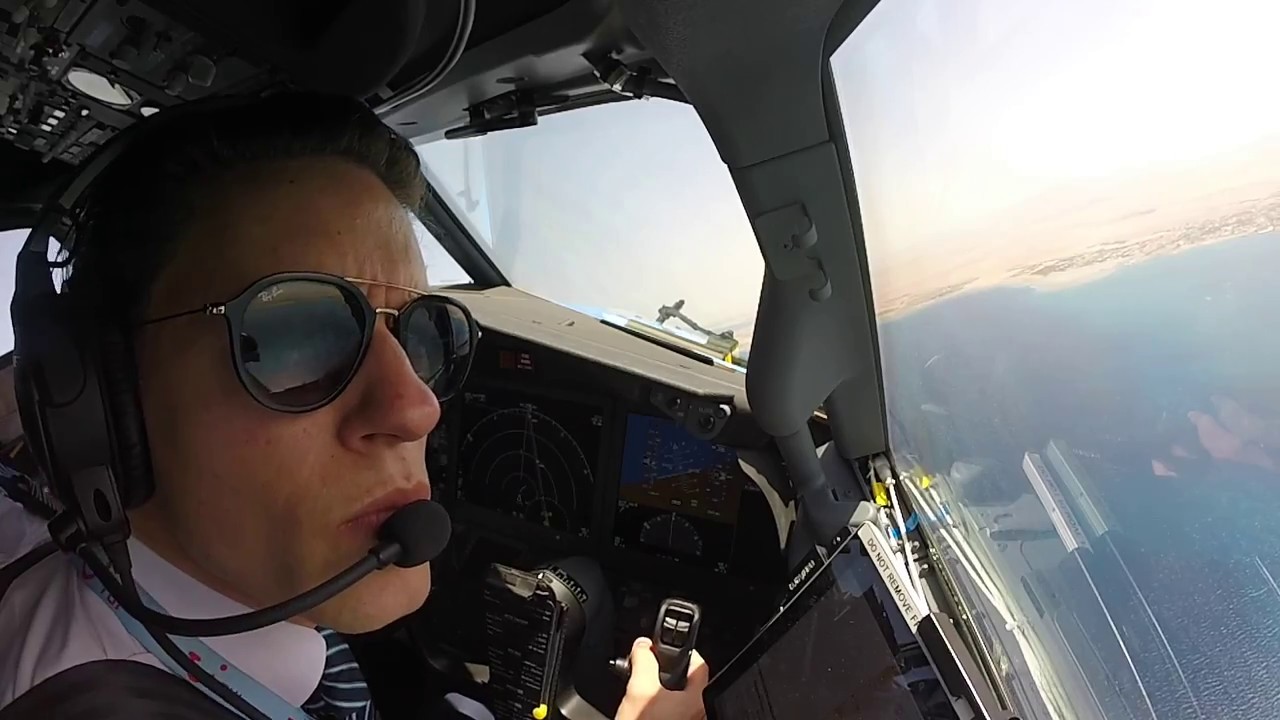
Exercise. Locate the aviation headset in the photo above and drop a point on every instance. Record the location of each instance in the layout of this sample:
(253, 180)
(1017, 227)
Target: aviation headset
(77, 387)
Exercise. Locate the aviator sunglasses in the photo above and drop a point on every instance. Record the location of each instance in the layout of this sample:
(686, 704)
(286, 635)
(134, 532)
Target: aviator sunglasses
(298, 338)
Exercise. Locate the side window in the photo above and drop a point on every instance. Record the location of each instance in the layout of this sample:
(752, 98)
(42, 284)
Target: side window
(442, 269)
(10, 243)
(1071, 225)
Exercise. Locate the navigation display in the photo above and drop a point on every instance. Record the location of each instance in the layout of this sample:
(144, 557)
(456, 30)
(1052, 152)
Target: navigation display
(678, 496)
(530, 457)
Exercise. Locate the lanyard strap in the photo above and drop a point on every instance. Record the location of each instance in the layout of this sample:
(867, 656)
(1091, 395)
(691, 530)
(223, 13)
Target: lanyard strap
(241, 684)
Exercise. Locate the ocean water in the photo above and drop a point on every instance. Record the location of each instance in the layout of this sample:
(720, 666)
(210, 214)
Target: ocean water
(1165, 376)
(1124, 356)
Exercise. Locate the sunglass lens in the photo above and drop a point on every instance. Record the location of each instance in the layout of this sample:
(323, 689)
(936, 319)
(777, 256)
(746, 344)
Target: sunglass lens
(437, 338)
(300, 342)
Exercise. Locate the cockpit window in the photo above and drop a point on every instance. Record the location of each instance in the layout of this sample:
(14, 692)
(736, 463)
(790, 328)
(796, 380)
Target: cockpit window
(442, 268)
(623, 209)
(10, 243)
(1070, 213)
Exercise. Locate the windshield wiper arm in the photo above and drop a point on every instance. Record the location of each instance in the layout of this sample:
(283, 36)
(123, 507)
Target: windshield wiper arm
(670, 344)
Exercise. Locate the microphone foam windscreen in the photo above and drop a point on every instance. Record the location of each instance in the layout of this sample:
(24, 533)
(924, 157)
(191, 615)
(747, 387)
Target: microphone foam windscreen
(421, 528)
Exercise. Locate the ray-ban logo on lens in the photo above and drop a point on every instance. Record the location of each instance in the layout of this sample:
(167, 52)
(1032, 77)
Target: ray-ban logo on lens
(270, 293)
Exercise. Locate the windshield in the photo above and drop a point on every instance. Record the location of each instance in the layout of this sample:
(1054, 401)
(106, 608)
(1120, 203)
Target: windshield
(10, 244)
(1070, 214)
(622, 210)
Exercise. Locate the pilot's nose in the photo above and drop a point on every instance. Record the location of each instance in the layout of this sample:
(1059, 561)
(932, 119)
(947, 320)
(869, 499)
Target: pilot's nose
(390, 404)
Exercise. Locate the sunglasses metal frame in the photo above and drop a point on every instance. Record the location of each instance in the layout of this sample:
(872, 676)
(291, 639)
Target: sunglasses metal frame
(233, 310)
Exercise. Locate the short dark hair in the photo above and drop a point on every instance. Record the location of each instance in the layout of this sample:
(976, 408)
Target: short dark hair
(146, 200)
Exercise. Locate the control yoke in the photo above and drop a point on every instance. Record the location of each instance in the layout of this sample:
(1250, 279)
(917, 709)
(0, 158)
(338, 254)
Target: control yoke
(674, 634)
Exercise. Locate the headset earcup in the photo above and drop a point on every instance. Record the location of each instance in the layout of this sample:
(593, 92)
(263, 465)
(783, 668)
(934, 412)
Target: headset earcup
(32, 421)
(38, 337)
(119, 378)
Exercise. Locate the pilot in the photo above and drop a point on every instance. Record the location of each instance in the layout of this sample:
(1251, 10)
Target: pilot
(274, 467)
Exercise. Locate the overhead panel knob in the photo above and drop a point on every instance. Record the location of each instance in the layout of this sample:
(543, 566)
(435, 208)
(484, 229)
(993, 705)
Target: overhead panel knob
(125, 54)
(201, 70)
(175, 82)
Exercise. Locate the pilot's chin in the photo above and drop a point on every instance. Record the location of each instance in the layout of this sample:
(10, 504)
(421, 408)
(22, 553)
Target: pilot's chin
(376, 601)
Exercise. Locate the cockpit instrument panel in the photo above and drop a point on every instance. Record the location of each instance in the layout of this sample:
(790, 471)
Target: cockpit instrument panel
(530, 457)
(678, 496)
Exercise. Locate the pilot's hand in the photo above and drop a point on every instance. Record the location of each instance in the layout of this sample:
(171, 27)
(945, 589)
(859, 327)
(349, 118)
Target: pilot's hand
(646, 699)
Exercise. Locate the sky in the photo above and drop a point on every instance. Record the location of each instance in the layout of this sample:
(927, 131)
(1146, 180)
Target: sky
(10, 243)
(962, 116)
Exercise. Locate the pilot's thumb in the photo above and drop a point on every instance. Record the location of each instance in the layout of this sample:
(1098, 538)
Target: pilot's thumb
(644, 663)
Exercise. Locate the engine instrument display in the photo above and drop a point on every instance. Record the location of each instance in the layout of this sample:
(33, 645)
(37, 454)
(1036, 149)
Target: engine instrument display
(679, 496)
(530, 458)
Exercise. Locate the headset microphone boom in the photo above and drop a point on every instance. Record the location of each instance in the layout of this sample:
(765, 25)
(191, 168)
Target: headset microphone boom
(413, 535)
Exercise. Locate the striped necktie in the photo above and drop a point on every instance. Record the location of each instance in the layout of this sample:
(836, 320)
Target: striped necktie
(342, 693)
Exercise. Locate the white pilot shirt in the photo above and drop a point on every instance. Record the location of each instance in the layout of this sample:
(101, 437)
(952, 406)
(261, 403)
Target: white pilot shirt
(50, 620)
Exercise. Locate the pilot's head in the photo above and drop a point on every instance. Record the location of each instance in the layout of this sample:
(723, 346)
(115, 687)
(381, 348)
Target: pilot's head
(281, 434)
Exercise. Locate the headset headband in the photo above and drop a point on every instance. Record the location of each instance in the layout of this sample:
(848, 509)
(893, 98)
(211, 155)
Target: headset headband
(77, 395)
(65, 202)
